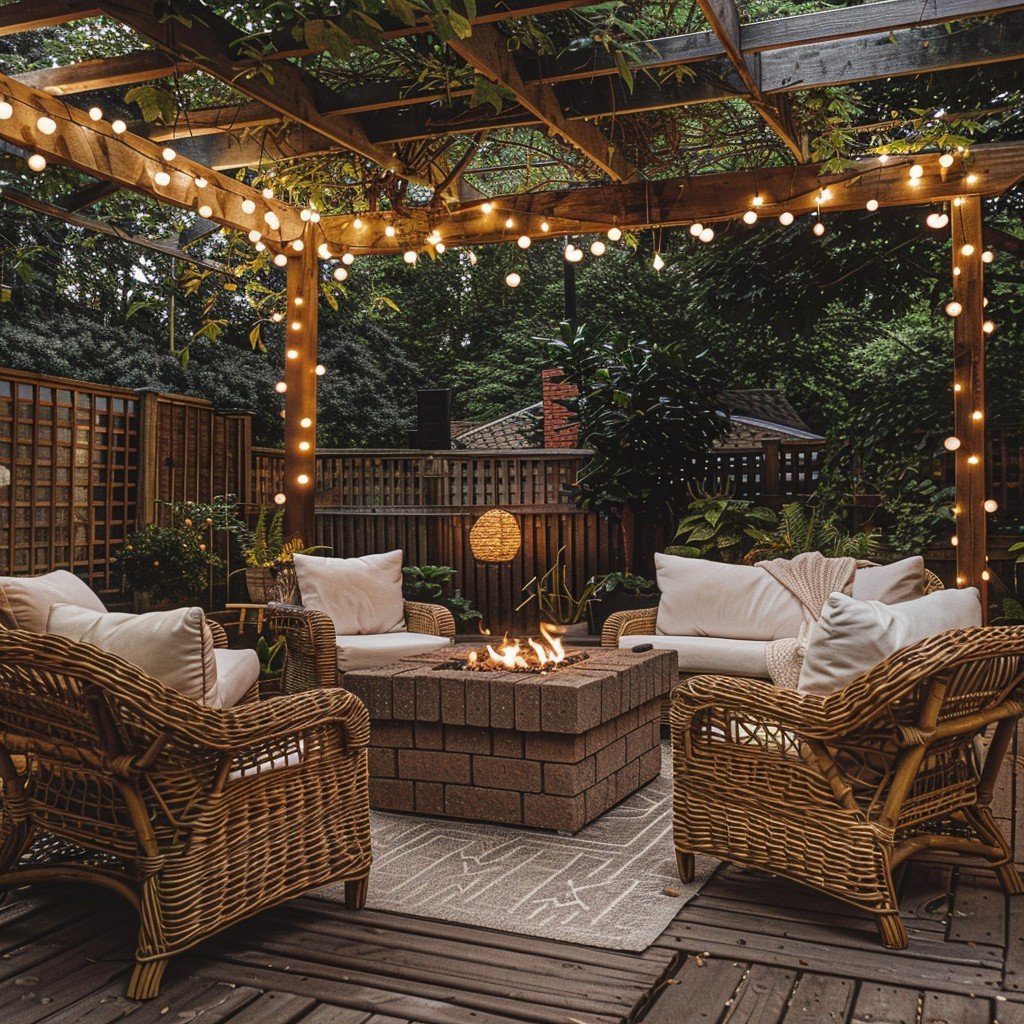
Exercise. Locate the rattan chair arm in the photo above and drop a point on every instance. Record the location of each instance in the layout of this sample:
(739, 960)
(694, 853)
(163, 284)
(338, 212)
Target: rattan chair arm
(635, 622)
(311, 645)
(432, 619)
(220, 637)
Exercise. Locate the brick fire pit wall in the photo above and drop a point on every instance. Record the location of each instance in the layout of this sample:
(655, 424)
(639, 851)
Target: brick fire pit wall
(550, 751)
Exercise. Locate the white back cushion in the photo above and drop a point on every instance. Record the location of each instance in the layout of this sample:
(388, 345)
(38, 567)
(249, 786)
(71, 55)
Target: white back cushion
(31, 597)
(175, 647)
(853, 636)
(890, 584)
(359, 595)
(739, 602)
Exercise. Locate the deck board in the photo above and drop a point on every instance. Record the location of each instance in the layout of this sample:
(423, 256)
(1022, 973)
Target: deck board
(747, 950)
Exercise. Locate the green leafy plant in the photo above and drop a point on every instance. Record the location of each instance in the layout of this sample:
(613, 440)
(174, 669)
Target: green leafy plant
(264, 547)
(553, 595)
(720, 527)
(271, 657)
(433, 585)
(802, 528)
(169, 563)
(622, 583)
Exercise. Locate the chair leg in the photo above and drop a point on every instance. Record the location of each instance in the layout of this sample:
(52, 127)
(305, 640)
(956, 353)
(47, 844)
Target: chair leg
(685, 866)
(355, 893)
(986, 827)
(891, 929)
(146, 978)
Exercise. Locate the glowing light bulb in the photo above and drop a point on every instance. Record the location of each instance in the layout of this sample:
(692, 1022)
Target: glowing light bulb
(280, 260)
(254, 236)
(296, 325)
(409, 256)
(696, 229)
(916, 171)
(389, 230)
(486, 207)
(320, 369)
(512, 279)
(472, 258)
(988, 256)
(260, 247)
(954, 541)
(523, 242)
(162, 178)
(248, 206)
(957, 388)
(971, 179)
(986, 575)
(750, 217)
(439, 248)
(303, 446)
(46, 125)
(95, 114)
(954, 308)
(951, 444)
(977, 415)
(545, 226)
(707, 235)
(786, 218)
(936, 221)
(973, 460)
(201, 182)
(169, 154)
(304, 215)
(268, 193)
(205, 210)
(302, 479)
(305, 423)
(597, 247)
(280, 387)
(967, 249)
(509, 222)
(340, 274)
(819, 229)
(758, 200)
(37, 162)
(277, 317)
(576, 255)
(658, 263)
(872, 205)
(314, 217)
(292, 353)
(825, 195)
(989, 327)
(323, 250)
(358, 223)
(7, 111)
(614, 234)
(118, 127)
(946, 160)
(348, 259)
(272, 220)
(298, 300)
(991, 505)
(279, 498)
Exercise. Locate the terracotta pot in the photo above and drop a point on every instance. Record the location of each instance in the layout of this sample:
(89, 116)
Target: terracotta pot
(261, 584)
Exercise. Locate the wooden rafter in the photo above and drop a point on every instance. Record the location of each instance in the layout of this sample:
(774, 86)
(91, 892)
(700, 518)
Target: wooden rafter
(132, 162)
(215, 44)
(26, 15)
(105, 73)
(486, 51)
(708, 198)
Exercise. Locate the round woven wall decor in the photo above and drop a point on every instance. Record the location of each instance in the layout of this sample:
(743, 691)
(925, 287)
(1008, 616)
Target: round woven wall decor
(495, 537)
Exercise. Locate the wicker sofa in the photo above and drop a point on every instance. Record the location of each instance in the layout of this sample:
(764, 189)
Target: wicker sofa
(837, 791)
(200, 817)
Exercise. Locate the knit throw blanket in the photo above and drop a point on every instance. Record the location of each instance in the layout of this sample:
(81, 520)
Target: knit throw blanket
(810, 577)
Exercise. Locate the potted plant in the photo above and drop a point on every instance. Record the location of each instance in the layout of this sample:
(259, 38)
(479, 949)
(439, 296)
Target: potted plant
(432, 584)
(720, 527)
(619, 592)
(561, 611)
(266, 553)
(170, 565)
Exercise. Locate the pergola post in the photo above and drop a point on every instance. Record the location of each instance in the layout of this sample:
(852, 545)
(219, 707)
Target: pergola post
(300, 362)
(969, 394)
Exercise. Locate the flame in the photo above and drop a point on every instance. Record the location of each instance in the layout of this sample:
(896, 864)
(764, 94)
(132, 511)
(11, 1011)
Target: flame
(513, 655)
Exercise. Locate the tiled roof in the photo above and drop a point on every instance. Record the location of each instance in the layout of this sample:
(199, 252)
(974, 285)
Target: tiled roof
(745, 433)
(767, 406)
(520, 429)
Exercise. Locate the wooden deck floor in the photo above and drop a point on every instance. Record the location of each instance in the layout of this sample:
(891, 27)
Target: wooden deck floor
(747, 949)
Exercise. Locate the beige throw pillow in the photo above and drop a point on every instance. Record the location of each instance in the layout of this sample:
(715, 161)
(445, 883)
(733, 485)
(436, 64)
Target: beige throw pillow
(29, 598)
(891, 584)
(853, 636)
(736, 602)
(360, 595)
(175, 647)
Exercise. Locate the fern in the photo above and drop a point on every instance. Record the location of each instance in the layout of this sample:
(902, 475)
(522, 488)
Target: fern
(801, 529)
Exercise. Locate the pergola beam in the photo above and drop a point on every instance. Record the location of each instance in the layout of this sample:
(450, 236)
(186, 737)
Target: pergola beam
(486, 51)
(105, 73)
(708, 198)
(26, 15)
(132, 162)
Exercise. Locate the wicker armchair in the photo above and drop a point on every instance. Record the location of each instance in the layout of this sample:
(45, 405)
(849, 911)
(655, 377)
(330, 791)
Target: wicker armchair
(835, 792)
(311, 658)
(199, 817)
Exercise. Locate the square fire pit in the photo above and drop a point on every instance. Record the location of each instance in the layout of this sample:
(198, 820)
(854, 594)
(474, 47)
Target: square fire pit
(550, 750)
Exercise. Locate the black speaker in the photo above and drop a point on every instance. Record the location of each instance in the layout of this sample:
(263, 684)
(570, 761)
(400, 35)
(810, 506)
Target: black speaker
(434, 419)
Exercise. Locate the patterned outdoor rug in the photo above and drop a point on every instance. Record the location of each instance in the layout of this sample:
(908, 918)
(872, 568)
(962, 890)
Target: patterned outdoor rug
(602, 887)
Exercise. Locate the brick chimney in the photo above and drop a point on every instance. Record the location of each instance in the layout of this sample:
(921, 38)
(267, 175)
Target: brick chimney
(560, 427)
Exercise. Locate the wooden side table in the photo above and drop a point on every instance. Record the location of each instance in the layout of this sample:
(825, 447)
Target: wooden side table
(244, 608)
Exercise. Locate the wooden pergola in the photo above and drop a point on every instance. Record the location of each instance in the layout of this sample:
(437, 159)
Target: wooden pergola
(576, 99)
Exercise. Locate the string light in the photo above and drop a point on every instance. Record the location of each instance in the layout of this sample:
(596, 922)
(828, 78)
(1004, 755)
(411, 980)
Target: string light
(46, 125)
(304, 215)
(277, 317)
(409, 256)
(696, 229)
(118, 127)
(819, 229)
(977, 415)
(951, 444)
(272, 221)
(986, 575)
(486, 207)
(786, 218)
(872, 205)
(954, 308)
(439, 248)
(298, 300)
(303, 446)
(280, 260)
(323, 250)
(750, 217)
(946, 160)
(280, 387)
(575, 255)
(991, 505)
(545, 226)
(614, 234)
(37, 162)
(279, 498)
(973, 460)
(758, 200)
(389, 231)
(254, 236)
(707, 235)
(320, 369)
(296, 325)
(358, 223)
(971, 179)
(302, 479)
(434, 237)
(824, 195)
(883, 158)
(348, 259)
(657, 263)
(597, 247)
(967, 249)
(523, 242)
(305, 423)
(95, 114)
(298, 245)
(988, 256)
(509, 222)
(989, 327)
(916, 171)
(7, 111)
(512, 279)
(292, 353)
(169, 154)
(162, 178)
(936, 221)
(314, 217)
(201, 182)
(340, 273)
(248, 206)
(268, 193)
(260, 247)
(953, 542)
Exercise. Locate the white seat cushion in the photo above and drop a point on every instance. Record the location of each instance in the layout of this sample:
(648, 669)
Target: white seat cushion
(237, 673)
(713, 599)
(30, 598)
(853, 636)
(362, 652)
(359, 595)
(712, 654)
(891, 584)
(173, 647)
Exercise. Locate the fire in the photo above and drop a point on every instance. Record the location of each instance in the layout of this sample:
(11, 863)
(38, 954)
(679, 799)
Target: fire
(514, 655)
